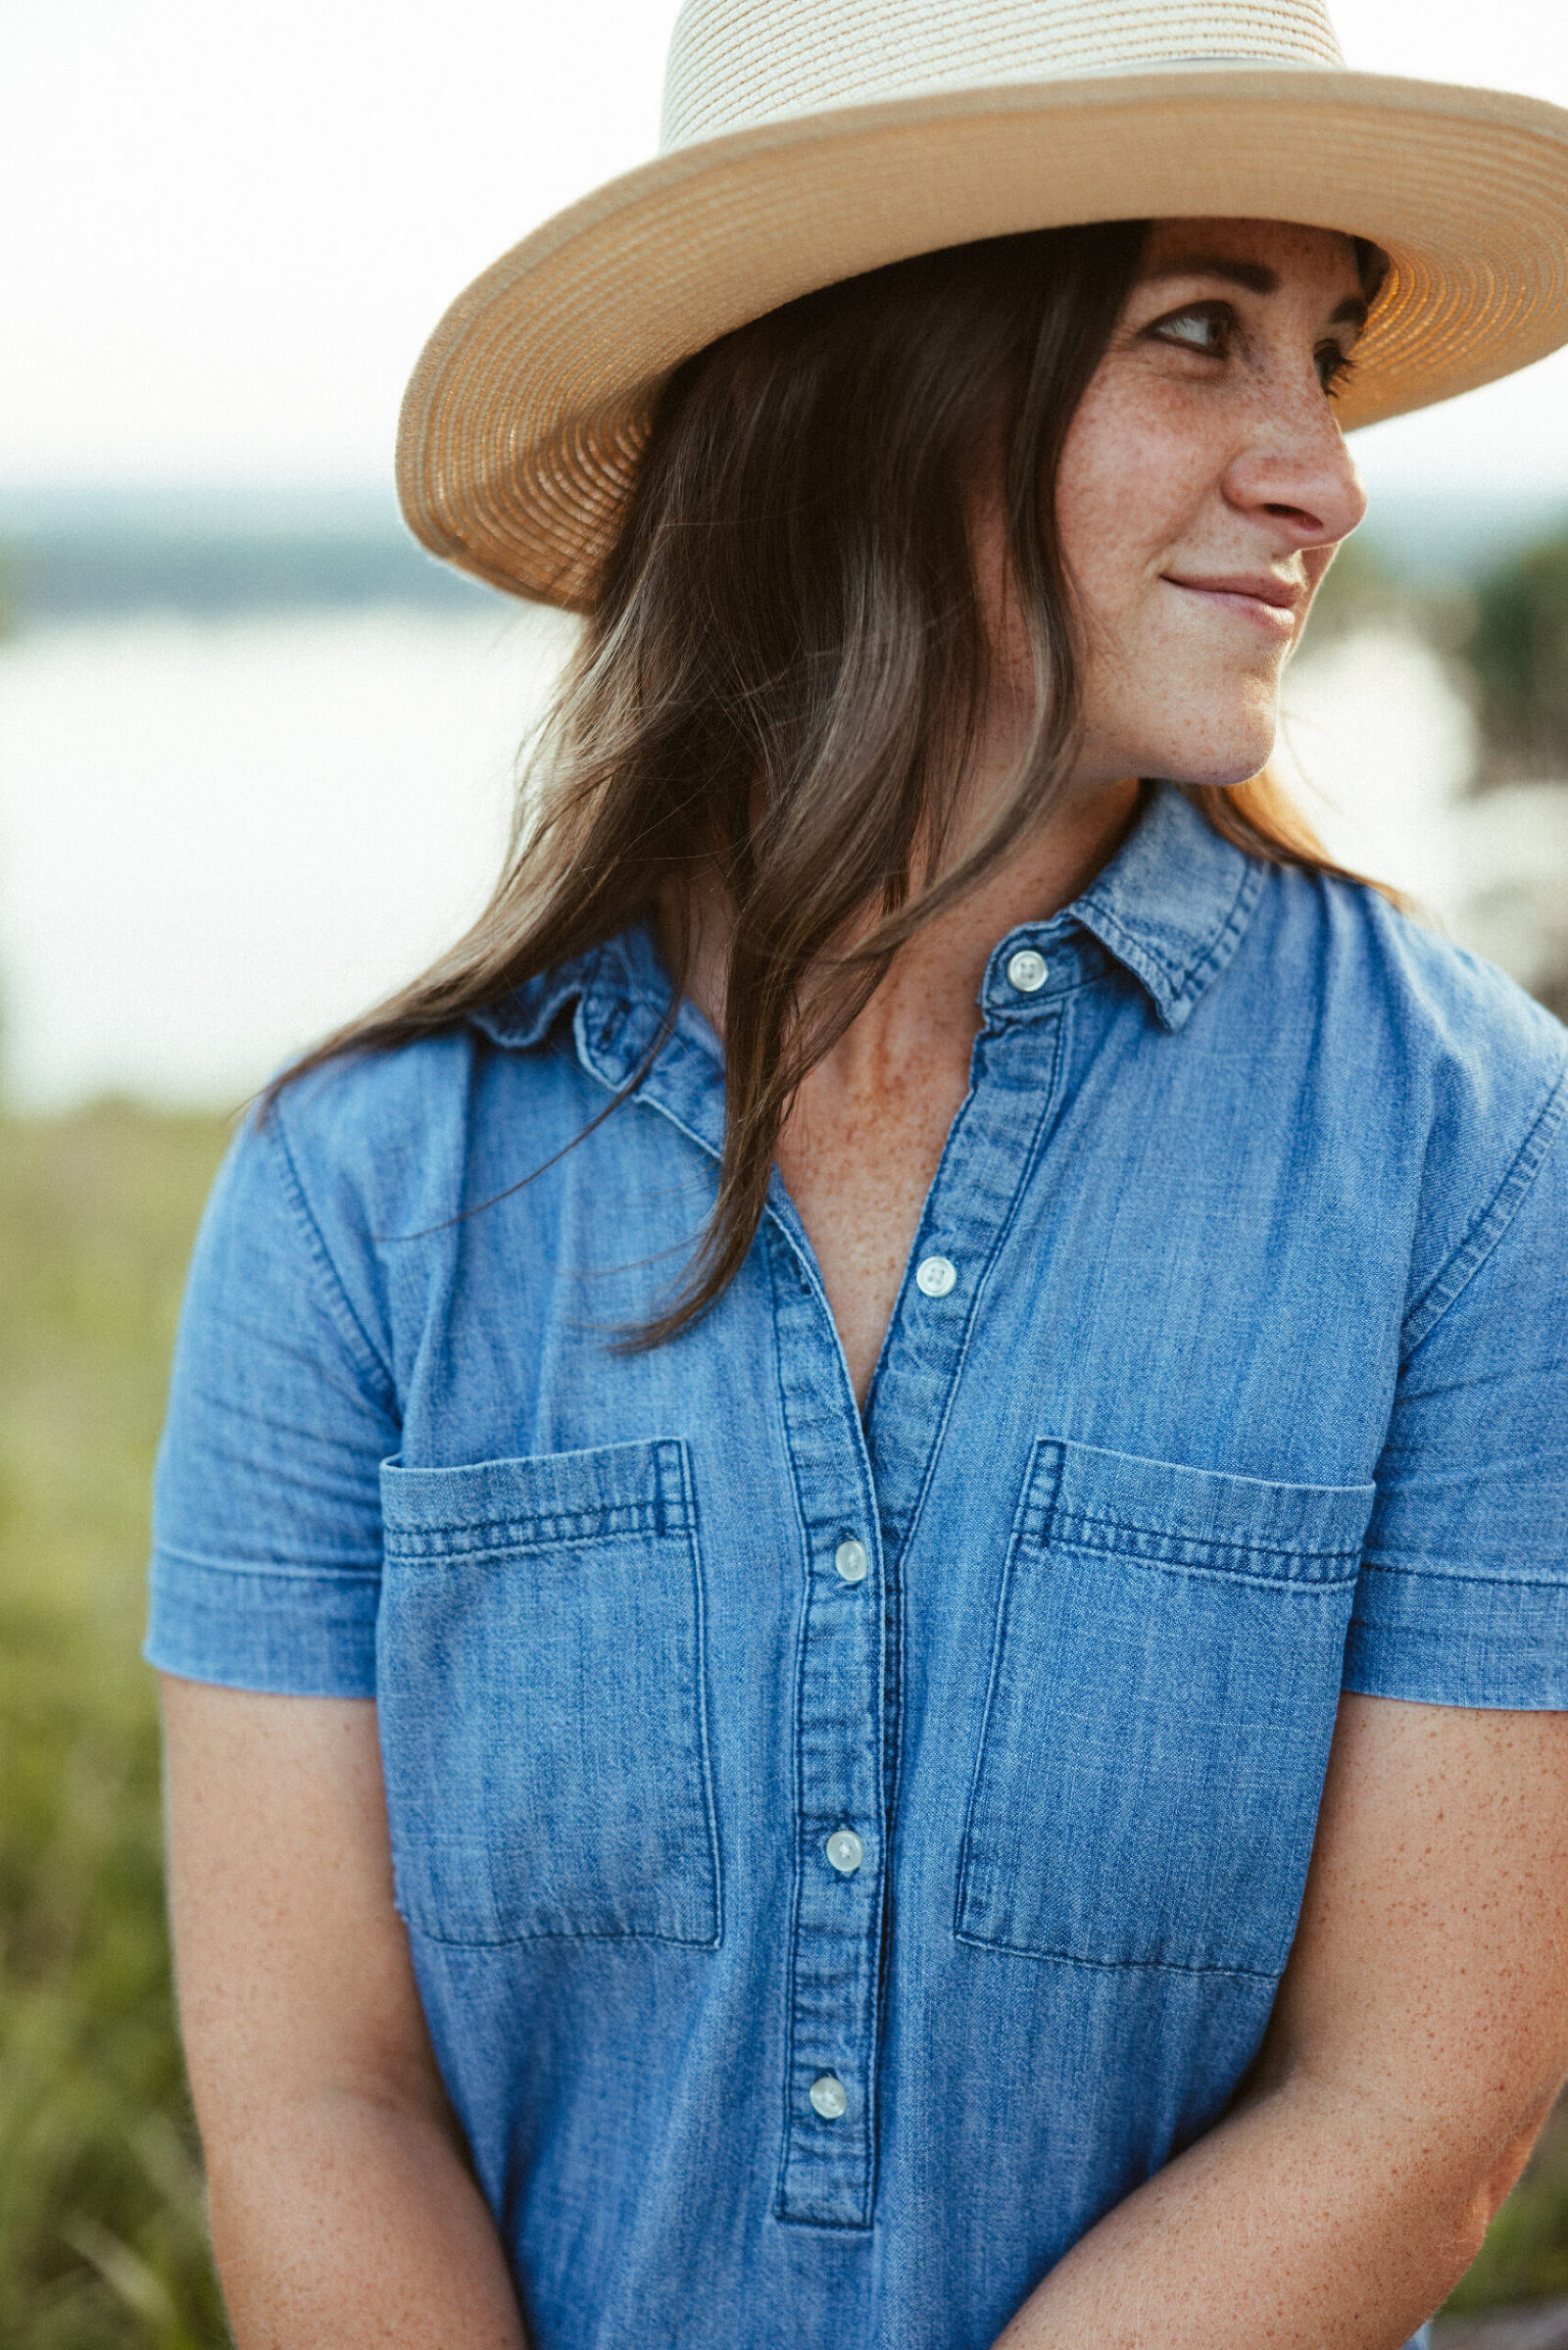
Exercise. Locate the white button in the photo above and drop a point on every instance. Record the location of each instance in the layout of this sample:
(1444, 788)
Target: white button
(850, 1560)
(827, 2095)
(1027, 970)
(845, 1850)
(935, 1276)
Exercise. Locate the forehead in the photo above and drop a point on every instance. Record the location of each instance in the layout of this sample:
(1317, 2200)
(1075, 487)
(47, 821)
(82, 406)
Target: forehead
(1293, 252)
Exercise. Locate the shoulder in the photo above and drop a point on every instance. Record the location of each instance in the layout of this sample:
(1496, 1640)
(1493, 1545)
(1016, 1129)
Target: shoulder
(375, 1140)
(1441, 1059)
(352, 1179)
(1404, 981)
(400, 1134)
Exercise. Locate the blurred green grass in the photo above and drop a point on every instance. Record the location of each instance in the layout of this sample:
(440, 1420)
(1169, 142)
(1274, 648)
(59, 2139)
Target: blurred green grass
(101, 2235)
(101, 2232)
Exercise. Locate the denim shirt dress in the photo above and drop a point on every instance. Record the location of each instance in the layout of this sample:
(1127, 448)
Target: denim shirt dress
(843, 1854)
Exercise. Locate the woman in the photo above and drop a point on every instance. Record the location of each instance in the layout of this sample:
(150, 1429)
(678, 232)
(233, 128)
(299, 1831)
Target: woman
(860, 1555)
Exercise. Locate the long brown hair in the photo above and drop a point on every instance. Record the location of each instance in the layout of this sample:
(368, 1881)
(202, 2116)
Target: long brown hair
(782, 676)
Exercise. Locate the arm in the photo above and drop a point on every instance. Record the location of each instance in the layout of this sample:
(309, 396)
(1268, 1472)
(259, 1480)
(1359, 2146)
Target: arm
(343, 2210)
(1419, 2038)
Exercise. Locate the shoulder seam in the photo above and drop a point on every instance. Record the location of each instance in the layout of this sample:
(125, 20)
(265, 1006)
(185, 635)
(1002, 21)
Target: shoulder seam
(1484, 1235)
(367, 1362)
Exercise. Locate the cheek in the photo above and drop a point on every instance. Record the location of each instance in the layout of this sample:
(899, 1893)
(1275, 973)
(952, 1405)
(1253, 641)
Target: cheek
(1140, 493)
(1131, 479)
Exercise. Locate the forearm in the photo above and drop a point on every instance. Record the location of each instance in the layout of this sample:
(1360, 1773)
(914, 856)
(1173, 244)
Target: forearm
(340, 2222)
(1308, 2220)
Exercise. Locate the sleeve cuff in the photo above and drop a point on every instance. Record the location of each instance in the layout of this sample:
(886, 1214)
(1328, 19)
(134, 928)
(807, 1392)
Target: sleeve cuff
(1455, 1639)
(300, 1633)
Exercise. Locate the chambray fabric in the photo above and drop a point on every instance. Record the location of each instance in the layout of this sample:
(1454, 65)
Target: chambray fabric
(1251, 1384)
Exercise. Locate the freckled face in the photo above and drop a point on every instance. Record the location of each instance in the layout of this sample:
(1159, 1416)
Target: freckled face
(1205, 485)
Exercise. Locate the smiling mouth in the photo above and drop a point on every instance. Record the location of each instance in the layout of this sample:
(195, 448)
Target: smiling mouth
(1269, 604)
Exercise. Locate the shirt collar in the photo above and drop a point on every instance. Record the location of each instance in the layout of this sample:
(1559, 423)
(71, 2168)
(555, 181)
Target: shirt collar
(1171, 906)
(619, 994)
(526, 1015)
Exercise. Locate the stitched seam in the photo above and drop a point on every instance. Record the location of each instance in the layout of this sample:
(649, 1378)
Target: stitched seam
(1444, 1575)
(1453, 1277)
(1078, 1528)
(777, 1272)
(554, 1933)
(1119, 1966)
(682, 1465)
(544, 1533)
(1304, 1585)
(367, 1362)
(785, 2217)
(1016, 1538)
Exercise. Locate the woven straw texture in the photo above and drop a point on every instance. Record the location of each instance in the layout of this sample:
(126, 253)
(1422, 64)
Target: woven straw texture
(808, 140)
(733, 63)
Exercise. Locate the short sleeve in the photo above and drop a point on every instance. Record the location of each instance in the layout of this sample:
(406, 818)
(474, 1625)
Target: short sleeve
(1463, 1592)
(266, 1523)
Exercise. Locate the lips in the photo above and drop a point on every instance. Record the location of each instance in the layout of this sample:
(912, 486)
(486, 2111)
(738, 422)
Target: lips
(1257, 596)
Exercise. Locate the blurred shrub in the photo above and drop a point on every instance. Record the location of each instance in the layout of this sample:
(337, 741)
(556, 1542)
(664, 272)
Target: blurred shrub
(1517, 654)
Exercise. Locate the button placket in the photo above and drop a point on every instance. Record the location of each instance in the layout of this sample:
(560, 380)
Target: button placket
(1014, 1098)
(828, 2167)
(828, 2157)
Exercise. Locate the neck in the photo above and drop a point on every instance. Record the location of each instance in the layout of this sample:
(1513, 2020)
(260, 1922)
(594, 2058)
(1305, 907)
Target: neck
(933, 981)
(863, 1137)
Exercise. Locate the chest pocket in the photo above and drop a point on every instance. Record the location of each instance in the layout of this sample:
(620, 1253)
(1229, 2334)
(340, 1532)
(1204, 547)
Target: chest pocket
(1164, 1684)
(540, 1689)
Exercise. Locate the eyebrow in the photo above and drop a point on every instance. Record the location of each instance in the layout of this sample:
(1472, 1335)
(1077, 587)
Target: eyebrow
(1256, 275)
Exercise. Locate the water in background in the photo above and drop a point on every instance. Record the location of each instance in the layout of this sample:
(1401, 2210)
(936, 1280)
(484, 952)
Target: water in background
(218, 841)
(256, 758)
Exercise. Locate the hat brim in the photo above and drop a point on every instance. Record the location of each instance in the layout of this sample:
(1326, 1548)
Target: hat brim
(524, 419)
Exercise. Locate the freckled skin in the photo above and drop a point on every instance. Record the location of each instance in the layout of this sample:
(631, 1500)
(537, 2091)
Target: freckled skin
(1180, 466)
(860, 1147)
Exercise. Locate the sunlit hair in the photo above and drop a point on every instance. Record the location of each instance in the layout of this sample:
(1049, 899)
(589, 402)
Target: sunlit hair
(784, 675)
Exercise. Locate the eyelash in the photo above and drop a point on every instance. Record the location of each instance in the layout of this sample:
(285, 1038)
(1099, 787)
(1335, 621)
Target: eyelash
(1333, 377)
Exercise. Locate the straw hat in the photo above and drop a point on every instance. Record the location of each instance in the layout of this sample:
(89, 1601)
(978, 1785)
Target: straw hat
(807, 140)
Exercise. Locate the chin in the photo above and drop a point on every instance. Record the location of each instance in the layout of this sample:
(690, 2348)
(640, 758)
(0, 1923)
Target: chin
(1215, 757)
(1215, 774)
(1196, 729)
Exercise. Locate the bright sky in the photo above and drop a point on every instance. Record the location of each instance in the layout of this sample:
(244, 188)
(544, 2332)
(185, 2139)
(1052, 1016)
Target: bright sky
(225, 231)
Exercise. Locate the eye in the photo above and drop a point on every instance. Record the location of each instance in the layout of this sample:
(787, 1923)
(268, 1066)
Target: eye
(1335, 367)
(1204, 327)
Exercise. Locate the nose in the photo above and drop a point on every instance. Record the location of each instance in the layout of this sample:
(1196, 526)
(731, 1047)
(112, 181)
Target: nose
(1295, 470)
